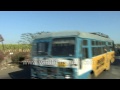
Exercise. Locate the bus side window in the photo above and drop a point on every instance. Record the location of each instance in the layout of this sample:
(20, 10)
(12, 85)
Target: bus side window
(111, 48)
(85, 53)
(96, 51)
(93, 42)
(85, 42)
(102, 49)
(93, 51)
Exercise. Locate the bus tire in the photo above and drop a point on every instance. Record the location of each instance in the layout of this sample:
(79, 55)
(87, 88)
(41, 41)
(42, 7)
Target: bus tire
(90, 75)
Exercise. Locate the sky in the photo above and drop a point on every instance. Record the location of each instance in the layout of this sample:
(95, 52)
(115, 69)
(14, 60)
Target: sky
(15, 23)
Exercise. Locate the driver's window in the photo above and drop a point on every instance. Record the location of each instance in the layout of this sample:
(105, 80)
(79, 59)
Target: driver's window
(42, 48)
(85, 53)
(85, 49)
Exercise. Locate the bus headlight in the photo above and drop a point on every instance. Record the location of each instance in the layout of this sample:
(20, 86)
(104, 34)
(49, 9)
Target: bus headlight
(62, 64)
(68, 77)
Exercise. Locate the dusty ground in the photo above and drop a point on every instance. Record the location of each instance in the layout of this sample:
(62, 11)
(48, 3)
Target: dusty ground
(6, 68)
(4, 74)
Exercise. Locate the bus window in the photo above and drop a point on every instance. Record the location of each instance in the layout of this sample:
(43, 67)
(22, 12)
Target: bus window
(97, 51)
(103, 43)
(97, 43)
(63, 47)
(109, 43)
(42, 48)
(85, 42)
(100, 50)
(100, 43)
(85, 53)
(110, 48)
(93, 42)
(94, 51)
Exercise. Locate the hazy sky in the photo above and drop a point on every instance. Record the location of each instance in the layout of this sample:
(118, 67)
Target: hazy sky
(15, 23)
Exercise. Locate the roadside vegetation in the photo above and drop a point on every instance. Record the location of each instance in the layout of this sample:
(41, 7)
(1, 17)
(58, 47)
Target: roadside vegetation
(1, 56)
(20, 51)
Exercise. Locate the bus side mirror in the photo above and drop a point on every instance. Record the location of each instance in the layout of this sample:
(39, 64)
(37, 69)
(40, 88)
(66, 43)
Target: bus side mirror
(105, 50)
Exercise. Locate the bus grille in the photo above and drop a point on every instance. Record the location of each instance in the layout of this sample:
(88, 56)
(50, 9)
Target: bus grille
(51, 72)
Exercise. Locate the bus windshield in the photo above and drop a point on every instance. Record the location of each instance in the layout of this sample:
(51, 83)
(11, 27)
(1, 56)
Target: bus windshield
(63, 47)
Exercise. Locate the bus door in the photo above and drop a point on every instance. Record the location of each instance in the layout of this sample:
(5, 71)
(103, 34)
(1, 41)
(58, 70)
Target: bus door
(85, 61)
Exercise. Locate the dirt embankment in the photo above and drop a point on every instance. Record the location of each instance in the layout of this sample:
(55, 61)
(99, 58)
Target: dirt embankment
(7, 63)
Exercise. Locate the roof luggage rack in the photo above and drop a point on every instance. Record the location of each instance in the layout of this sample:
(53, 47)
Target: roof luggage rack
(100, 34)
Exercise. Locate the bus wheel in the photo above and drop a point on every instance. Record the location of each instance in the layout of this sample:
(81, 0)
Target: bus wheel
(90, 76)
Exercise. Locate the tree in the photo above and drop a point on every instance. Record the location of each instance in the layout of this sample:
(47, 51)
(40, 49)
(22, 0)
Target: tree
(27, 38)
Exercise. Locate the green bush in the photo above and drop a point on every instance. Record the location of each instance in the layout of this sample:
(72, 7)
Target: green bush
(1, 56)
(20, 56)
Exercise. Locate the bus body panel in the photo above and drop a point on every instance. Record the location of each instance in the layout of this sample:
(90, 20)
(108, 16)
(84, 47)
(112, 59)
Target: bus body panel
(82, 73)
(98, 67)
(102, 62)
(85, 75)
(85, 70)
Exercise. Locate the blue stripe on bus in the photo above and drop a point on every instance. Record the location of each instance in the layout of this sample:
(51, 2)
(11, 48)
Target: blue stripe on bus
(75, 73)
(85, 75)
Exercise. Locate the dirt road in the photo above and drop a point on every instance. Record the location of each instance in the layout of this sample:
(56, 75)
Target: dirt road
(23, 72)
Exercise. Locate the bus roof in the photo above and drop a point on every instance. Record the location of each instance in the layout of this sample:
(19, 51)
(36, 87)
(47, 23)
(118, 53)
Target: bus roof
(73, 34)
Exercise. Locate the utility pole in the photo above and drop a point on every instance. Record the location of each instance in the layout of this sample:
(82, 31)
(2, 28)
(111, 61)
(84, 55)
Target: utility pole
(1, 40)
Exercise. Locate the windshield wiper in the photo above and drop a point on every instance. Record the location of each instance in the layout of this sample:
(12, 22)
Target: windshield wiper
(50, 56)
(42, 53)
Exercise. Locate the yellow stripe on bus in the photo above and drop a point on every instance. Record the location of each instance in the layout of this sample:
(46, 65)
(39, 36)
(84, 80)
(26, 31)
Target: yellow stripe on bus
(102, 62)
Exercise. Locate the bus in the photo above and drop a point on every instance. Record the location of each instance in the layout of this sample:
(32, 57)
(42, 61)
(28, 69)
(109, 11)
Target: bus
(71, 55)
